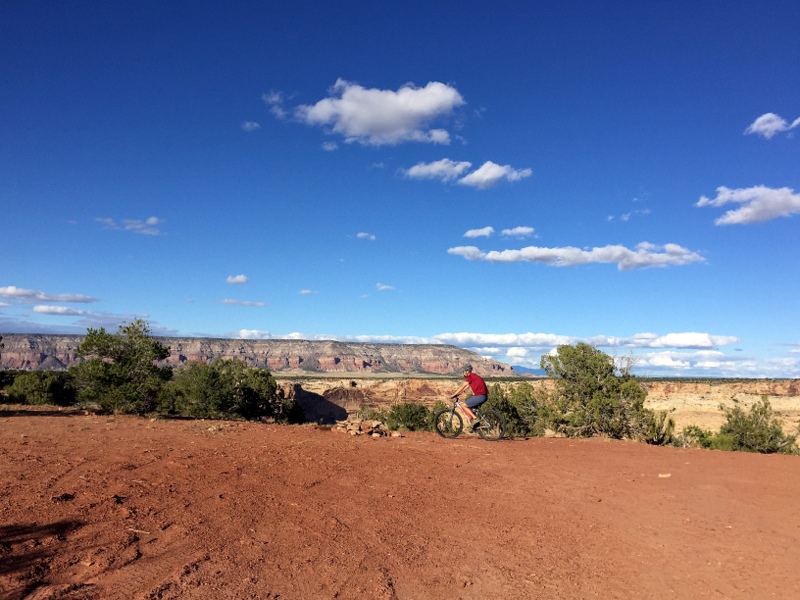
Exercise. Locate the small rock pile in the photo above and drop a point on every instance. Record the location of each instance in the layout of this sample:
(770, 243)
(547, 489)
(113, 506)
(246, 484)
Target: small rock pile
(369, 427)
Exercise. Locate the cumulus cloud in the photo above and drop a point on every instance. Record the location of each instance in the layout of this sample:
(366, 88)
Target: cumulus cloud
(517, 232)
(149, 226)
(645, 255)
(490, 174)
(25, 295)
(688, 340)
(769, 124)
(378, 117)
(363, 235)
(230, 302)
(249, 126)
(306, 292)
(237, 279)
(444, 170)
(330, 146)
(254, 334)
(382, 287)
(475, 233)
(758, 204)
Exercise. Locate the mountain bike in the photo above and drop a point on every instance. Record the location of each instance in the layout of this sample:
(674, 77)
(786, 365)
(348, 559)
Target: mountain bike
(488, 423)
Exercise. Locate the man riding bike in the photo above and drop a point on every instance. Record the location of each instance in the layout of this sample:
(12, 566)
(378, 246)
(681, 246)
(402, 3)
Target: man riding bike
(479, 391)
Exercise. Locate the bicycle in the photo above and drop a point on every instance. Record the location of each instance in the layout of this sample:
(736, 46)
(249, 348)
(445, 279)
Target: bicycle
(488, 423)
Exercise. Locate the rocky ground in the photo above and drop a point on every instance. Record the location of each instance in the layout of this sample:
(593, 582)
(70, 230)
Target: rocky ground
(107, 507)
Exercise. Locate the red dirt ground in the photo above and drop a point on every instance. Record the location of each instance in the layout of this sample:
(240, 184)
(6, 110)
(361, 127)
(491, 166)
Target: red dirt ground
(96, 507)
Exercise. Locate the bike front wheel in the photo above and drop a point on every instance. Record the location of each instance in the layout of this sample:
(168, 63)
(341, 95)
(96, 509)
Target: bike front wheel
(492, 425)
(448, 423)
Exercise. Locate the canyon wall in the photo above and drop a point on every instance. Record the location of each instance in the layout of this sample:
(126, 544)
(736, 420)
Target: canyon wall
(58, 352)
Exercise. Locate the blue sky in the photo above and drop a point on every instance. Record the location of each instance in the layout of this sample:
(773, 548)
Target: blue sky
(505, 177)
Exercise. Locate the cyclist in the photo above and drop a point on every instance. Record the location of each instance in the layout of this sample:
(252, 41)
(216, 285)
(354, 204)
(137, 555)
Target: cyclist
(479, 391)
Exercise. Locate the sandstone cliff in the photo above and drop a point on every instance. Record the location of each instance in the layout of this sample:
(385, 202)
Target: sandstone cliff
(56, 352)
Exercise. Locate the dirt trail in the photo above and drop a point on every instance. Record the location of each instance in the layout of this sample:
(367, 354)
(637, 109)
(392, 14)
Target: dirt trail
(121, 507)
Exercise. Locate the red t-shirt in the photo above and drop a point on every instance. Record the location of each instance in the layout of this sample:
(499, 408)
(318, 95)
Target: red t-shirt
(477, 384)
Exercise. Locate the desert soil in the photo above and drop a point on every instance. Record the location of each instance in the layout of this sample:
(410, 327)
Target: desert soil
(97, 507)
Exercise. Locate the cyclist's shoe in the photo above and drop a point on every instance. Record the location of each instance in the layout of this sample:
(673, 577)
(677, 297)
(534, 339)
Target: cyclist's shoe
(474, 425)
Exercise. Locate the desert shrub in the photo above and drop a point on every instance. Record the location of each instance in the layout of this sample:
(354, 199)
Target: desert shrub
(7, 378)
(409, 416)
(120, 373)
(591, 398)
(656, 427)
(42, 387)
(693, 436)
(508, 406)
(375, 414)
(756, 431)
(439, 405)
(227, 389)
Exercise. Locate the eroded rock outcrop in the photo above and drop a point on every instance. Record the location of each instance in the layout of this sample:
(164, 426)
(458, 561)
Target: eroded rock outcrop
(55, 352)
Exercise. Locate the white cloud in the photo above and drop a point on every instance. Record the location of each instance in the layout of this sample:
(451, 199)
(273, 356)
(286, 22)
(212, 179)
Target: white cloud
(759, 203)
(330, 146)
(24, 295)
(306, 292)
(444, 170)
(275, 101)
(378, 117)
(249, 126)
(769, 124)
(627, 216)
(237, 279)
(230, 302)
(363, 235)
(272, 97)
(59, 310)
(363, 339)
(489, 174)
(549, 340)
(484, 232)
(517, 352)
(254, 334)
(148, 226)
(517, 232)
(381, 287)
(645, 255)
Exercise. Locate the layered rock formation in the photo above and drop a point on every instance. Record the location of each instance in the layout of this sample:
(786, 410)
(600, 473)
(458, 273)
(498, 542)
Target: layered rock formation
(56, 352)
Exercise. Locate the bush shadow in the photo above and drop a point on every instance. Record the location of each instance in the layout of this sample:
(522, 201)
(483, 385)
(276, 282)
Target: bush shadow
(21, 547)
(317, 408)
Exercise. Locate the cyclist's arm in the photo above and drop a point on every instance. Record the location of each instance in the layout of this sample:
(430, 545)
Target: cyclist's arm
(461, 389)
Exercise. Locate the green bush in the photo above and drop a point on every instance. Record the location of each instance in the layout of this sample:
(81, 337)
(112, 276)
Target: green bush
(508, 405)
(590, 398)
(42, 387)
(693, 436)
(7, 378)
(120, 373)
(409, 416)
(227, 389)
(756, 431)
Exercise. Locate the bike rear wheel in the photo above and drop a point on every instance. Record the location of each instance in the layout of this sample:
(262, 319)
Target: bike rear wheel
(448, 423)
(492, 425)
